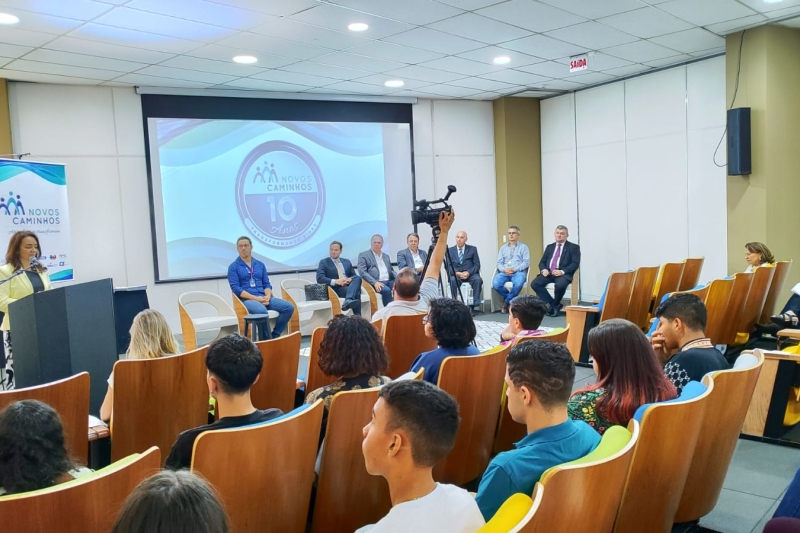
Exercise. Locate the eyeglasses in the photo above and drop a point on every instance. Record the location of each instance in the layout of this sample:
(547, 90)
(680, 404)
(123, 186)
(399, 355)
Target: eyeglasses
(513, 233)
(426, 319)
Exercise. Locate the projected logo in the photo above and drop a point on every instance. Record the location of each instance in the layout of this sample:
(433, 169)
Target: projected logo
(280, 194)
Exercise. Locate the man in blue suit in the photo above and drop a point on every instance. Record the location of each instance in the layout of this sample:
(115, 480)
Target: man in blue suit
(376, 267)
(467, 265)
(558, 264)
(412, 256)
(339, 274)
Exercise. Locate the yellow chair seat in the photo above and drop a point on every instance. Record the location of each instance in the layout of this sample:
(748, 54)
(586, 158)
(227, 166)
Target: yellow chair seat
(509, 515)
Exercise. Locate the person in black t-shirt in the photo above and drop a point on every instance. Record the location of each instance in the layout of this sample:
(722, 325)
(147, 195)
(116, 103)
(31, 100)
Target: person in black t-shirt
(681, 343)
(234, 364)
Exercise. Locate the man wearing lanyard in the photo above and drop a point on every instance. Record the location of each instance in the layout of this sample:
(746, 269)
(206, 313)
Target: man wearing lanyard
(249, 281)
(513, 261)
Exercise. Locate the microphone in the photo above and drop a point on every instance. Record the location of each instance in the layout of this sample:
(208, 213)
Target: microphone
(35, 265)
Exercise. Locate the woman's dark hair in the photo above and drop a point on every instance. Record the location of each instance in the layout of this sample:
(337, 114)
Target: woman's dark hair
(172, 502)
(32, 452)
(12, 254)
(351, 347)
(628, 371)
(452, 323)
(760, 248)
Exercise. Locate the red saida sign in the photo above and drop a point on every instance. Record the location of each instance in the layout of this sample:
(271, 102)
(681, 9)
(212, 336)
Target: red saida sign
(578, 63)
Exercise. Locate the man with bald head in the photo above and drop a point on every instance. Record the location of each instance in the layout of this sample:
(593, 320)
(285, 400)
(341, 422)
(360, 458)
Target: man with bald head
(467, 265)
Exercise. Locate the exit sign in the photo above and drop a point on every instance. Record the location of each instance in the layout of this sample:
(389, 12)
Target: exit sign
(578, 63)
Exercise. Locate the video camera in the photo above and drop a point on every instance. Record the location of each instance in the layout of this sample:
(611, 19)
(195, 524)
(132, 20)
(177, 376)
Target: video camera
(425, 214)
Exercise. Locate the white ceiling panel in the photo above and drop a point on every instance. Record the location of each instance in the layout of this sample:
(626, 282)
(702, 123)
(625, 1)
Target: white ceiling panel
(73, 9)
(594, 9)
(486, 30)
(354, 87)
(783, 13)
(435, 41)
(545, 47)
(791, 23)
(225, 53)
(265, 85)
(202, 11)
(551, 69)
(531, 15)
(461, 66)
(327, 71)
(510, 90)
(338, 18)
(487, 55)
(600, 61)
(706, 12)
(646, 22)
(10, 35)
(62, 70)
(485, 96)
(419, 12)
(416, 72)
(295, 78)
(209, 65)
(19, 75)
(591, 78)
(515, 77)
(188, 75)
(45, 23)
(272, 46)
(692, 40)
(133, 39)
(470, 5)
(281, 8)
(561, 85)
(636, 68)
(764, 6)
(480, 84)
(133, 19)
(394, 52)
(155, 81)
(80, 60)
(13, 50)
(723, 28)
(292, 30)
(112, 51)
(380, 79)
(353, 61)
(592, 36)
(640, 51)
(672, 60)
(709, 52)
(5, 60)
(536, 94)
(451, 91)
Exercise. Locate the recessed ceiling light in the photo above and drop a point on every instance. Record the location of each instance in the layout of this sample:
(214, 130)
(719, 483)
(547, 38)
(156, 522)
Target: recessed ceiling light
(772, 1)
(358, 26)
(245, 60)
(502, 60)
(6, 18)
(395, 83)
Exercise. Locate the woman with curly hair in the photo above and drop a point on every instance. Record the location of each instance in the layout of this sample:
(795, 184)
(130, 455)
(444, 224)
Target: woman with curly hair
(450, 323)
(352, 351)
(32, 452)
(628, 375)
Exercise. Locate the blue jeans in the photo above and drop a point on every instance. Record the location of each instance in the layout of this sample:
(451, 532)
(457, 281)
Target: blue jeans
(517, 279)
(790, 504)
(284, 309)
(386, 292)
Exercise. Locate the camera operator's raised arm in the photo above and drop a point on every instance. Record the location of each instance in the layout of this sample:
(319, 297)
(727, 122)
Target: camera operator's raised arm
(446, 218)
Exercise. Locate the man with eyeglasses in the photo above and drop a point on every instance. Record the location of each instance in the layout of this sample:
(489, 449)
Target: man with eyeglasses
(513, 262)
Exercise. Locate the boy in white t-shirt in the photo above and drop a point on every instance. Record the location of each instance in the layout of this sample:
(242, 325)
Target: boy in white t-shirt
(413, 427)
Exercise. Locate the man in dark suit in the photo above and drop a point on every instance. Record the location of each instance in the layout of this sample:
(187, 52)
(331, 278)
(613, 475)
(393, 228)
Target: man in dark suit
(412, 256)
(467, 265)
(558, 264)
(339, 274)
(376, 268)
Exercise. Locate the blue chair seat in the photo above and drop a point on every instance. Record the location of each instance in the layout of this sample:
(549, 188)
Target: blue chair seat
(691, 390)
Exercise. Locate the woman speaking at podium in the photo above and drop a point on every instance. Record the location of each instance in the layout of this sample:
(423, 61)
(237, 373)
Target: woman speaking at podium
(25, 275)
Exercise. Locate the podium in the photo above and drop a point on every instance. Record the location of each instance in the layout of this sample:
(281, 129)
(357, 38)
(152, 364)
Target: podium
(60, 332)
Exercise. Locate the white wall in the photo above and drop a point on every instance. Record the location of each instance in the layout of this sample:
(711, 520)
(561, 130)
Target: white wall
(97, 133)
(631, 163)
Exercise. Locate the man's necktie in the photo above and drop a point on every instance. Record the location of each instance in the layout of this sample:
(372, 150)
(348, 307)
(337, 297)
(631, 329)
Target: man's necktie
(339, 269)
(556, 256)
(460, 255)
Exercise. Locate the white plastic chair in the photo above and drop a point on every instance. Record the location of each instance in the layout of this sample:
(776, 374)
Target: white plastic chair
(497, 302)
(225, 320)
(308, 315)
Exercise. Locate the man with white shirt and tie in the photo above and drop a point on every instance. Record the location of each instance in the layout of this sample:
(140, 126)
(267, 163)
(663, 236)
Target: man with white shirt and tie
(558, 264)
(339, 274)
(467, 266)
(376, 268)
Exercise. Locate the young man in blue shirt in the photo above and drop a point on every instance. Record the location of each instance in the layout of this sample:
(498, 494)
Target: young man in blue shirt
(539, 376)
(248, 279)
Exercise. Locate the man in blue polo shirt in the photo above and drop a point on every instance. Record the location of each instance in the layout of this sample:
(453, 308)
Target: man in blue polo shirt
(539, 377)
(248, 279)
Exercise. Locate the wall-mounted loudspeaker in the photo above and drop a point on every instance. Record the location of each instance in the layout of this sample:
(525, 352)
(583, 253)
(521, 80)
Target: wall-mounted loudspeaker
(739, 142)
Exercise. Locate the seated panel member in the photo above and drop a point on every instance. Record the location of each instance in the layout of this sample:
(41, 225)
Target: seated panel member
(339, 274)
(248, 279)
(412, 256)
(376, 268)
(513, 262)
(558, 264)
(467, 265)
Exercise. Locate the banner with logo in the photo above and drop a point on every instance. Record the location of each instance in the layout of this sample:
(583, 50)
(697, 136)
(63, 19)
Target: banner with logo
(33, 197)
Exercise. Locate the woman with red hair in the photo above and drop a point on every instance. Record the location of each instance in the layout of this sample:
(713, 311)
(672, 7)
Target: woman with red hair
(628, 375)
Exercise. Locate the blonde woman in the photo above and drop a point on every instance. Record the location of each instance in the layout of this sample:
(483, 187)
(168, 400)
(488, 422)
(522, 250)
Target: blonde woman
(151, 338)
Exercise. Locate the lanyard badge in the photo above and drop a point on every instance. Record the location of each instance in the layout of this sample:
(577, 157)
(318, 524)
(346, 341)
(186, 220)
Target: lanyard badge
(252, 279)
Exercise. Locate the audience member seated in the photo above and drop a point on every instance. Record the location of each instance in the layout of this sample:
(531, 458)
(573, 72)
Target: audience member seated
(412, 256)
(513, 262)
(248, 279)
(172, 502)
(411, 298)
(524, 318)
(783, 525)
(413, 427)
(757, 254)
(234, 364)
(32, 452)
(539, 376)
(339, 274)
(376, 268)
(628, 375)
(467, 266)
(450, 323)
(681, 343)
(151, 338)
(790, 503)
(353, 351)
(559, 263)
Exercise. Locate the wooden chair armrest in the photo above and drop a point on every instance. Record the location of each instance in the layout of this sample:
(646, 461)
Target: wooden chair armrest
(582, 309)
(790, 333)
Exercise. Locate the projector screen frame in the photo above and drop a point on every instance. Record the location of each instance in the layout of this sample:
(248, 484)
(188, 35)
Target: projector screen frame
(233, 108)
